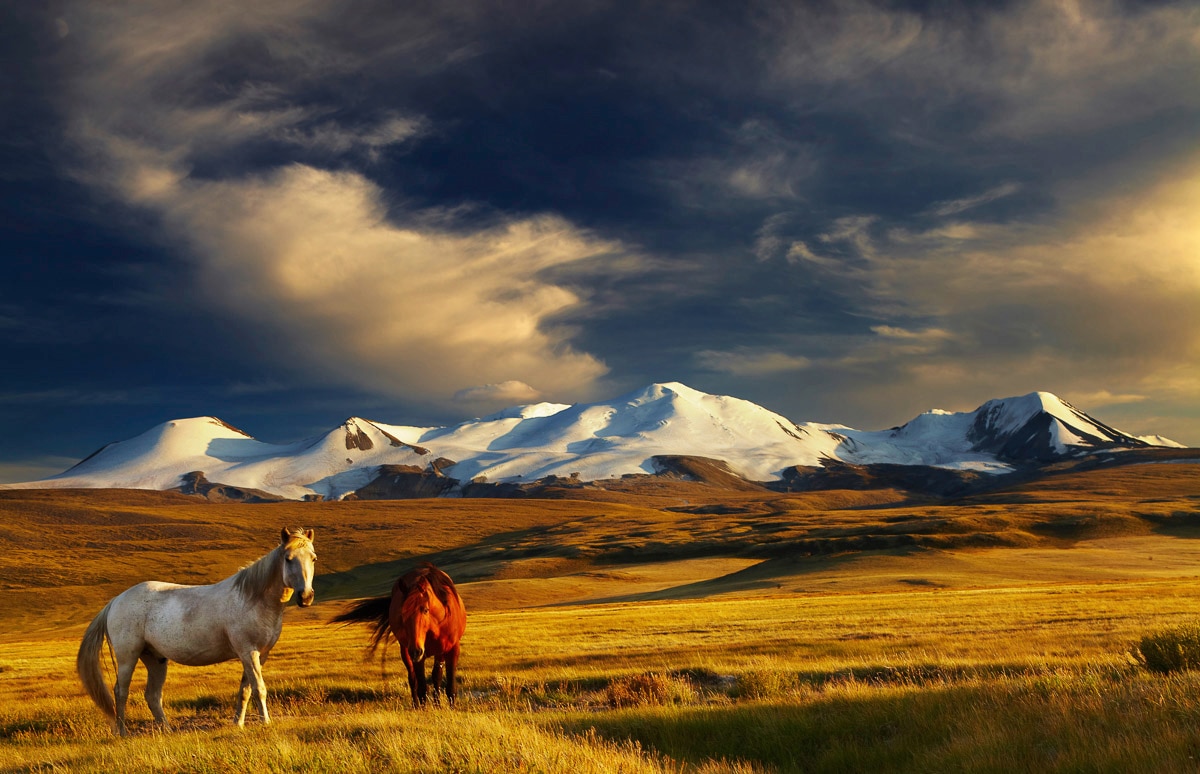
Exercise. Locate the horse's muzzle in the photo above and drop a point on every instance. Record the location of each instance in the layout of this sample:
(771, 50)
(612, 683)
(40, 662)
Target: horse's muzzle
(306, 599)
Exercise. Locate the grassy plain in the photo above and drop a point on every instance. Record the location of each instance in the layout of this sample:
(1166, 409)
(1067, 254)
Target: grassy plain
(695, 630)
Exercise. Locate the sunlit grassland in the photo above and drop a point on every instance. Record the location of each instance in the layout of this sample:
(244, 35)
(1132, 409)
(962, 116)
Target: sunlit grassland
(1034, 678)
(697, 630)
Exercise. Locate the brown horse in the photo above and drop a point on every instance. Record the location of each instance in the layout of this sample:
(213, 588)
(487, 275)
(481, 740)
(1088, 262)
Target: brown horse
(427, 618)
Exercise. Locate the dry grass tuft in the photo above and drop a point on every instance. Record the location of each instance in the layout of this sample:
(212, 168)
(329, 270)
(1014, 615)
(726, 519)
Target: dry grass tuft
(649, 689)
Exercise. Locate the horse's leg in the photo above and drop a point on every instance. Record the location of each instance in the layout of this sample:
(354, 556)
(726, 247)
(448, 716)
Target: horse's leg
(260, 685)
(252, 683)
(451, 672)
(125, 665)
(156, 675)
(435, 679)
(422, 686)
(244, 692)
(411, 668)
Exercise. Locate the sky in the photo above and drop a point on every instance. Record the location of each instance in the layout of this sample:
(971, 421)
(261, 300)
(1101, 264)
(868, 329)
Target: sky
(284, 214)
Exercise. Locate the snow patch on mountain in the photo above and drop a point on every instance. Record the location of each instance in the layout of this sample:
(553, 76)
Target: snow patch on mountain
(1158, 440)
(593, 441)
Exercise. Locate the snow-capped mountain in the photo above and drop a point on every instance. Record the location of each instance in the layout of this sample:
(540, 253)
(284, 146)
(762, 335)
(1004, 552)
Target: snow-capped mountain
(1038, 427)
(627, 435)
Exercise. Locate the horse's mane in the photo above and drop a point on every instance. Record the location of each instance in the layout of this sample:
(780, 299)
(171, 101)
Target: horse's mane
(439, 586)
(254, 579)
(438, 579)
(413, 599)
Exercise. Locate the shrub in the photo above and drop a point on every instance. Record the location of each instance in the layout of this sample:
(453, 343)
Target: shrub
(650, 688)
(1170, 650)
(765, 683)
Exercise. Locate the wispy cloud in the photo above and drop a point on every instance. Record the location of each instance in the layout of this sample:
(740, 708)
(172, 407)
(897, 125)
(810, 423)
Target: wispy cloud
(955, 206)
(904, 334)
(1027, 69)
(757, 162)
(371, 139)
(750, 361)
(503, 394)
(1102, 398)
(768, 240)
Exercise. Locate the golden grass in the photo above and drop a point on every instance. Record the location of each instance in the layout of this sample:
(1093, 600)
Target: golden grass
(988, 634)
(544, 677)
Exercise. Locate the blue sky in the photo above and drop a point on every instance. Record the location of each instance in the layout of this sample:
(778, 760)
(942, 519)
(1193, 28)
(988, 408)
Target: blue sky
(844, 211)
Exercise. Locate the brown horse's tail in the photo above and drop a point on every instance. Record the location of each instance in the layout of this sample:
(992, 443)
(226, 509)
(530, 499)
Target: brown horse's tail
(372, 612)
(88, 662)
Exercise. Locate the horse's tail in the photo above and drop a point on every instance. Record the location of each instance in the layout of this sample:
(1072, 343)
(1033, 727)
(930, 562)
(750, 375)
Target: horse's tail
(372, 612)
(88, 662)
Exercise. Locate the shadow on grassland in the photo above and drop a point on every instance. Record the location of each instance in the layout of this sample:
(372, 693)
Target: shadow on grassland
(477, 561)
(1032, 725)
(765, 575)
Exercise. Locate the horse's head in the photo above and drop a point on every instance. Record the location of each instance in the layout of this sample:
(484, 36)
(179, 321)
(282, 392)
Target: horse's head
(421, 613)
(299, 559)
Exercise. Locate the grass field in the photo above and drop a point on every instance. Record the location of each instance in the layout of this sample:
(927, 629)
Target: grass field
(728, 632)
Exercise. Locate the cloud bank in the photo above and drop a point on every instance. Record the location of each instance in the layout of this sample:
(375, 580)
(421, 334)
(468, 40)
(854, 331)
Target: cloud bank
(326, 271)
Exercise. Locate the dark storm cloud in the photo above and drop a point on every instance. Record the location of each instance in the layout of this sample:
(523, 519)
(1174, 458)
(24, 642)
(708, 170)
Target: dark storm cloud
(847, 211)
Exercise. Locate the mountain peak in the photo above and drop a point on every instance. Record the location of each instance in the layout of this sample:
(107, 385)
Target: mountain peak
(1042, 426)
(529, 411)
(661, 390)
(1008, 413)
(197, 425)
(626, 435)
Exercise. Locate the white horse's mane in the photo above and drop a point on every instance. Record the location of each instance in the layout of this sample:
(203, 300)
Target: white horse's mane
(256, 578)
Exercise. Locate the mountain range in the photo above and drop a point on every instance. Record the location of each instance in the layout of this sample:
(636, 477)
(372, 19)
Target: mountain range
(648, 432)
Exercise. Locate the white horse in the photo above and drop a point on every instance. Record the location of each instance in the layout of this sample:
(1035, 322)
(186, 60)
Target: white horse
(240, 617)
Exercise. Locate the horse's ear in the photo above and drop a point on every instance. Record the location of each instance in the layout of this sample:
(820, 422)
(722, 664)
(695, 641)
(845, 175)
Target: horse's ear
(308, 533)
(284, 535)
